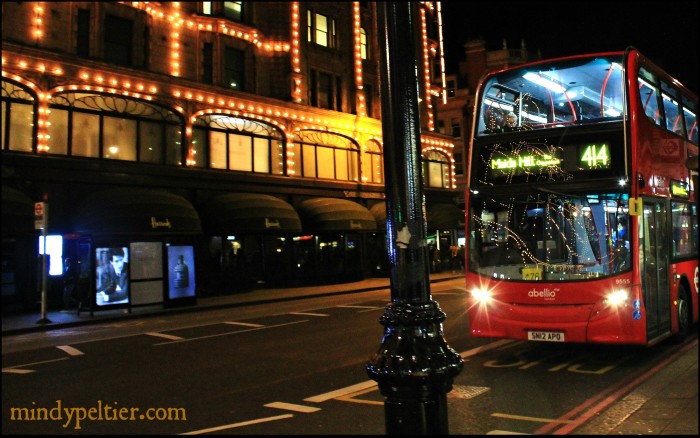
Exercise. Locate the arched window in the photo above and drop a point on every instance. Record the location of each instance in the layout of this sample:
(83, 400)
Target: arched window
(324, 155)
(436, 170)
(372, 164)
(233, 143)
(114, 128)
(18, 123)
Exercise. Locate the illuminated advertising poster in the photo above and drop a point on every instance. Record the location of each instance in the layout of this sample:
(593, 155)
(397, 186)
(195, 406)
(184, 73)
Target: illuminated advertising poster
(180, 272)
(111, 276)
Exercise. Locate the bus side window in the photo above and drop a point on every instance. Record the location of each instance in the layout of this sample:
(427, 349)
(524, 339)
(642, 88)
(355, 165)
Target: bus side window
(690, 112)
(649, 94)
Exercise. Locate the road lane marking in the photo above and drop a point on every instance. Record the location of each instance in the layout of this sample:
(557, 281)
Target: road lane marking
(163, 335)
(235, 425)
(351, 397)
(244, 324)
(17, 369)
(70, 350)
(308, 314)
(360, 307)
(341, 392)
(292, 407)
(231, 333)
(526, 418)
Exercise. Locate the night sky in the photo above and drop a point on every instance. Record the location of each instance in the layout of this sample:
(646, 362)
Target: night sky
(664, 31)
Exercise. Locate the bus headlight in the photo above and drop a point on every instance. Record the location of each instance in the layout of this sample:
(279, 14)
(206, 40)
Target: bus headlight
(617, 297)
(481, 295)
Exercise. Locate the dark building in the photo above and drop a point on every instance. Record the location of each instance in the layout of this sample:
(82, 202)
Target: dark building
(218, 145)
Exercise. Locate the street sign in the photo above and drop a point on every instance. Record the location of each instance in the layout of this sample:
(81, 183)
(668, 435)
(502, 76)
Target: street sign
(40, 215)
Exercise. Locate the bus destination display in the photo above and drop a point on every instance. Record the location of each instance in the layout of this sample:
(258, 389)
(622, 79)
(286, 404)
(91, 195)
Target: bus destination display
(532, 160)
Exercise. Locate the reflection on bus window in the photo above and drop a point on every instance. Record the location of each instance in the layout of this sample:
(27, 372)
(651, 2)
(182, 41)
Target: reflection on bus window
(550, 237)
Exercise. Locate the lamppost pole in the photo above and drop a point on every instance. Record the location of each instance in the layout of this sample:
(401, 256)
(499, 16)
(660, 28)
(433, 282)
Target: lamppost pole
(414, 367)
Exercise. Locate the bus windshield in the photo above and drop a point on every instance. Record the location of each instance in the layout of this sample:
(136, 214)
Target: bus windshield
(578, 91)
(549, 237)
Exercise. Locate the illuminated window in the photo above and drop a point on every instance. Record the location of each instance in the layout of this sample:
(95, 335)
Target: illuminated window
(321, 29)
(233, 143)
(372, 165)
(233, 11)
(18, 116)
(325, 155)
(363, 43)
(112, 127)
(436, 170)
(206, 8)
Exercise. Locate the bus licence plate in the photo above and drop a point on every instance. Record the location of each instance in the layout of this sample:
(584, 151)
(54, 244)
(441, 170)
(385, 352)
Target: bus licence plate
(546, 336)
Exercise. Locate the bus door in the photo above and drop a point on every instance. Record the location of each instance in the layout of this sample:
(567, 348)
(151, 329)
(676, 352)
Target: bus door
(653, 247)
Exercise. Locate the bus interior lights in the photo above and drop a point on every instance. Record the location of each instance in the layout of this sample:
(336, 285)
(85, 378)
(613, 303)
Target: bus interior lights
(544, 82)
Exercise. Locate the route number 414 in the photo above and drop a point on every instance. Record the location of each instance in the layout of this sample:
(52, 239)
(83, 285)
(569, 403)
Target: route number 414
(593, 156)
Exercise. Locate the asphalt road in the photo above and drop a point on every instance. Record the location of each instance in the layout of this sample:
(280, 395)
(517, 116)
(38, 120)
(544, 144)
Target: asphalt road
(288, 368)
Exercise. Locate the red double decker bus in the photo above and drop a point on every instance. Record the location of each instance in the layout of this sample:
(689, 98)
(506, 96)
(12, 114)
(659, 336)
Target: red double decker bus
(581, 222)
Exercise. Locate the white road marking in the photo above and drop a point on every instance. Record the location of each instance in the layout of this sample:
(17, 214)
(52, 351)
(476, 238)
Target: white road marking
(361, 307)
(16, 371)
(231, 333)
(163, 335)
(70, 350)
(245, 324)
(235, 425)
(308, 314)
(292, 407)
(341, 392)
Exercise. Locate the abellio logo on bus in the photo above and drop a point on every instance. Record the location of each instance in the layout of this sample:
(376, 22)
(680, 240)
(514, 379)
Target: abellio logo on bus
(547, 294)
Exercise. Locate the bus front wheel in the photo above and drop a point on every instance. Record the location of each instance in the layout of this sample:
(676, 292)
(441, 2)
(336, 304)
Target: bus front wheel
(685, 317)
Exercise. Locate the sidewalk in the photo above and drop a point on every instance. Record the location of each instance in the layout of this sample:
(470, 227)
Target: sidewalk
(664, 402)
(13, 324)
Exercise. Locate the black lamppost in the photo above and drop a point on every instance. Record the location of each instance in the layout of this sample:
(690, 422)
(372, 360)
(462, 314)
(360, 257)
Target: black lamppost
(414, 367)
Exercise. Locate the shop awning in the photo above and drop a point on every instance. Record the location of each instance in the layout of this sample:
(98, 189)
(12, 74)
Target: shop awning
(444, 217)
(17, 212)
(378, 210)
(333, 214)
(136, 211)
(249, 213)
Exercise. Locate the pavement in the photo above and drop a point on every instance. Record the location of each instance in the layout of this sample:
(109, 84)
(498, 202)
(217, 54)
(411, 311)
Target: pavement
(664, 401)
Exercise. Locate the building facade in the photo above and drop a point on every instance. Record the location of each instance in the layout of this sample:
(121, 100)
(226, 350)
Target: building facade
(211, 147)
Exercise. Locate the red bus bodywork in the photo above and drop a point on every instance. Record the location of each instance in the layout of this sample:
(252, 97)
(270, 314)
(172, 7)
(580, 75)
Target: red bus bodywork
(583, 310)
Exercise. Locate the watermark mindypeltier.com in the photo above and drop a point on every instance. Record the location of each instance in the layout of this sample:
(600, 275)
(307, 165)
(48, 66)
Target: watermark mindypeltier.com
(79, 416)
